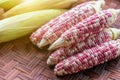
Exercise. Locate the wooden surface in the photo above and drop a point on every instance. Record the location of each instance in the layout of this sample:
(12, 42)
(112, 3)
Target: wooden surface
(20, 60)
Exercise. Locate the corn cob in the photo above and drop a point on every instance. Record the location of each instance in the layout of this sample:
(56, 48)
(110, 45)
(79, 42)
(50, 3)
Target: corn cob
(8, 4)
(34, 5)
(93, 40)
(89, 26)
(67, 20)
(20, 25)
(89, 58)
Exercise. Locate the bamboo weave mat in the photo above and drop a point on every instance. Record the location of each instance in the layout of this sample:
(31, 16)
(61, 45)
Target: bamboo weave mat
(20, 60)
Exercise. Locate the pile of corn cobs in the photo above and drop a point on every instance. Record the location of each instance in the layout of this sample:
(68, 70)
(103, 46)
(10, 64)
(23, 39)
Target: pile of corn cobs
(82, 36)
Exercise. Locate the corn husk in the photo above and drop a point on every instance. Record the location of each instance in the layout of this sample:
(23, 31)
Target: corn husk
(8, 4)
(33, 5)
(21, 25)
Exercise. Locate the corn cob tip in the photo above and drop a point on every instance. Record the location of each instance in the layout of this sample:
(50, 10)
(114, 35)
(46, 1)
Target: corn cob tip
(49, 62)
(57, 44)
(115, 12)
(116, 32)
(33, 40)
(101, 2)
(42, 43)
(99, 5)
(35, 43)
(118, 11)
(59, 73)
(118, 40)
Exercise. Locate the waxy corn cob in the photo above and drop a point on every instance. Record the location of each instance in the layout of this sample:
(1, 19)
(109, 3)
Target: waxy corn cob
(89, 26)
(93, 40)
(64, 22)
(89, 58)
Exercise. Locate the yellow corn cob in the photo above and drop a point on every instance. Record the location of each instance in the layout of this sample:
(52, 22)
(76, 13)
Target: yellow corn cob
(7, 4)
(32, 5)
(20, 25)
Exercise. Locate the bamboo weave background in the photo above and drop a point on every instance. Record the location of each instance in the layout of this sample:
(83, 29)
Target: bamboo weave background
(20, 60)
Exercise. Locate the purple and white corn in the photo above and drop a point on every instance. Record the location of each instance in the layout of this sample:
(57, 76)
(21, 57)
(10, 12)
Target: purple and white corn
(93, 40)
(91, 25)
(53, 29)
(89, 58)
